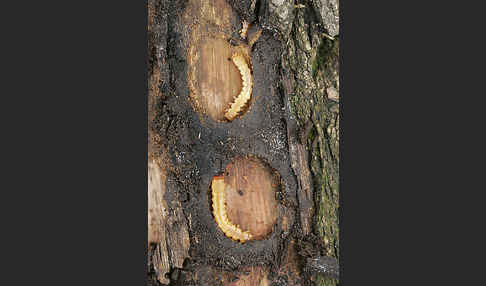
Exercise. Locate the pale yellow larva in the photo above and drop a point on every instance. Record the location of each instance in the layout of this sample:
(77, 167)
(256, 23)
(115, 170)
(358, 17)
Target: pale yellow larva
(219, 212)
(245, 93)
(244, 29)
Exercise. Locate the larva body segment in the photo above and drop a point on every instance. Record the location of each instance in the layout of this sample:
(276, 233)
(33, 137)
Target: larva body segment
(245, 93)
(219, 212)
(244, 29)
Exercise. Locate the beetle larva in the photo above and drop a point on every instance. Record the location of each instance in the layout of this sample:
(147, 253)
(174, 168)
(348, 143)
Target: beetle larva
(245, 93)
(219, 212)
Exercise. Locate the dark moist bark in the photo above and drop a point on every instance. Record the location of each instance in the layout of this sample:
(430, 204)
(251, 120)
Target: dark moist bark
(292, 126)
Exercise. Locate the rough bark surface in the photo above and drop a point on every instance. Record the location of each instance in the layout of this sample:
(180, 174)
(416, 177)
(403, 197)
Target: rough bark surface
(168, 235)
(292, 125)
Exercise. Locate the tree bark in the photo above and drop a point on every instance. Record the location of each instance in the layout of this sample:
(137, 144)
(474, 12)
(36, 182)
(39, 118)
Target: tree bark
(290, 124)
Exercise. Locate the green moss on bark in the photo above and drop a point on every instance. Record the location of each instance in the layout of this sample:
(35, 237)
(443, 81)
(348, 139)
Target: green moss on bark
(312, 61)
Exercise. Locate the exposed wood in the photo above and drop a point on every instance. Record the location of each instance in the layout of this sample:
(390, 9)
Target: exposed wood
(219, 80)
(250, 195)
(167, 225)
(292, 126)
(168, 235)
(157, 218)
(213, 79)
(157, 207)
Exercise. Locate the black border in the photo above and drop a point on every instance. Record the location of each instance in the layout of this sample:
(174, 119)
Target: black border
(341, 145)
(78, 73)
(77, 85)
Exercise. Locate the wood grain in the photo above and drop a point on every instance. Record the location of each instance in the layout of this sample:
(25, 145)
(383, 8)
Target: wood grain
(219, 79)
(157, 206)
(250, 195)
(168, 231)
(213, 78)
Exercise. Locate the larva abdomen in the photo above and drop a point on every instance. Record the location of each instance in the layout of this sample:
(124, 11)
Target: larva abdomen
(219, 212)
(245, 93)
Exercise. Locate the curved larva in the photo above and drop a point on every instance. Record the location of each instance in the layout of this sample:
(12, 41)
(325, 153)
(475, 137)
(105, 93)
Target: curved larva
(219, 211)
(245, 93)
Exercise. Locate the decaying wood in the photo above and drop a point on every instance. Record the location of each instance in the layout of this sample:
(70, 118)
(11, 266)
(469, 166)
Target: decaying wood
(324, 265)
(168, 235)
(157, 218)
(299, 157)
(289, 271)
(257, 276)
(157, 207)
(167, 225)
